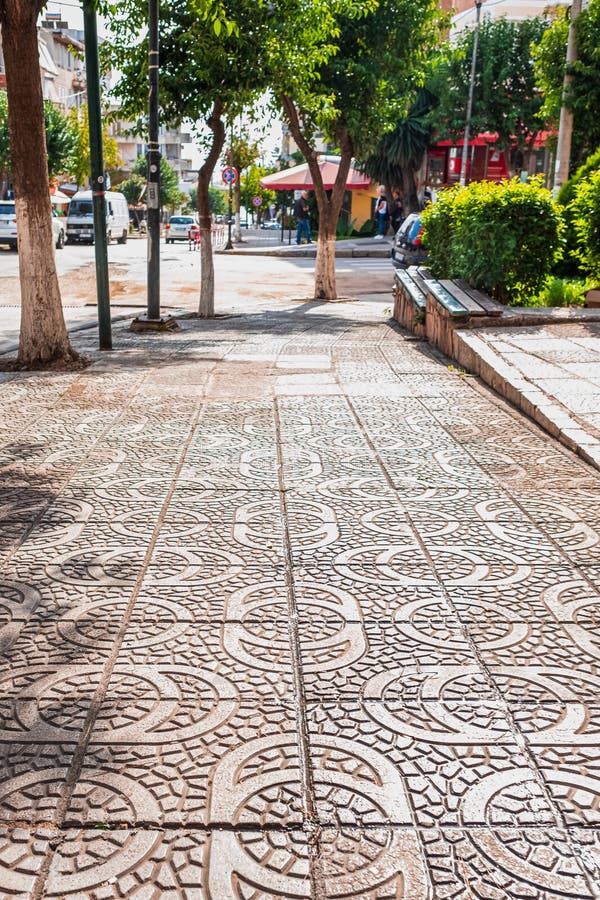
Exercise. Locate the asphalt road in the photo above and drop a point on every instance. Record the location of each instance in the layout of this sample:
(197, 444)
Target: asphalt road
(266, 280)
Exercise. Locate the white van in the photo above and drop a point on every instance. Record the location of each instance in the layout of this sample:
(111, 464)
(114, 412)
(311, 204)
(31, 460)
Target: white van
(80, 218)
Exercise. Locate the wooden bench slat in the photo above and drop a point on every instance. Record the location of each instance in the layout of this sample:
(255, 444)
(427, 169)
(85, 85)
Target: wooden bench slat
(491, 307)
(473, 307)
(445, 298)
(417, 295)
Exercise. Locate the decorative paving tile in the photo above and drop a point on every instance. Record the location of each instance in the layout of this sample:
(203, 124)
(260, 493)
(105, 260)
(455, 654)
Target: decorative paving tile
(534, 644)
(371, 766)
(22, 852)
(255, 655)
(32, 778)
(560, 596)
(506, 863)
(123, 863)
(339, 658)
(372, 863)
(221, 762)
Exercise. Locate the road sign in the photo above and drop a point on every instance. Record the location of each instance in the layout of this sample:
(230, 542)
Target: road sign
(229, 175)
(257, 201)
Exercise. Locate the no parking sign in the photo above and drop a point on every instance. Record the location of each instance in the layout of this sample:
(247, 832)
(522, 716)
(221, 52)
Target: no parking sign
(229, 175)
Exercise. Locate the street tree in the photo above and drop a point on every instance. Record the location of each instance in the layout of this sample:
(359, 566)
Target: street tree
(549, 56)
(60, 140)
(211, 70)
(366, 60)
(506, 100)
(81, 165)
(399, 153)
(43, 337)
(241, 153)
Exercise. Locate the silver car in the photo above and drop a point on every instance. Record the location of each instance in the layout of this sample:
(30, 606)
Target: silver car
(178, 228)
(8, 227)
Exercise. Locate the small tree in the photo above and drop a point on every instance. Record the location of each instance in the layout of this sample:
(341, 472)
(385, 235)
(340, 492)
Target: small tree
(81, 166)
(367, 60)
(60, 139)
(506, 100)
(242, 153)
(170, 195)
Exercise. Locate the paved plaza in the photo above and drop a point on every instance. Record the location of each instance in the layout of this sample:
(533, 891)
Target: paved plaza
(291, 608)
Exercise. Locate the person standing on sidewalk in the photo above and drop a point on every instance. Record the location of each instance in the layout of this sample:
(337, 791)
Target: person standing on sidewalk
(396, 211)
(303, 218)
(381, 213)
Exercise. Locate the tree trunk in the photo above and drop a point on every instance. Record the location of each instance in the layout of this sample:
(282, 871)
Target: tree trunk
(206, 306)
(325, 283)
(410, 199)
(328, 206)
(43, 338)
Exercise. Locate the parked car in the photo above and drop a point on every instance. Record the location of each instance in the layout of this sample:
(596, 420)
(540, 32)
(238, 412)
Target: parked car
(178, 228)
(407, 249)
(8, 226)
(270, 224)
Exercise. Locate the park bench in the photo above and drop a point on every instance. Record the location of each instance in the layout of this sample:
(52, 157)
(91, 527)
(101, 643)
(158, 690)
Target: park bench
(434, 309)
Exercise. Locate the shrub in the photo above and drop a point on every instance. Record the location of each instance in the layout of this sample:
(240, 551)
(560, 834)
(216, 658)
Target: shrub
(585, 213)
(572, 263)
(368, 228)
(560, 292)
(501, 237)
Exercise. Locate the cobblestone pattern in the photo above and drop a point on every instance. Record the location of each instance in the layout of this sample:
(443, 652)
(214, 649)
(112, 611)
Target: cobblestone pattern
(290, 610)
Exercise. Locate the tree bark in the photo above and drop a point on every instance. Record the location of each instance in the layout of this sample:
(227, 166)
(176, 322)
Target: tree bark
(410, 198)
(206, 306)
(329, 206)
(43, 338)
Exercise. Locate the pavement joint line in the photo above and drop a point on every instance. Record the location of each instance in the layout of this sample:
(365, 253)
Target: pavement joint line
(78, 758)
(310, 825)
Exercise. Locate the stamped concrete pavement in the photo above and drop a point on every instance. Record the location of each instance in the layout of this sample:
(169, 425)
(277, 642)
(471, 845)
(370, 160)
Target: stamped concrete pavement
(291, 609)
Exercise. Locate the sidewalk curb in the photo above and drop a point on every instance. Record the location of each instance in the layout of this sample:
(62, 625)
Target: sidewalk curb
(475, 354)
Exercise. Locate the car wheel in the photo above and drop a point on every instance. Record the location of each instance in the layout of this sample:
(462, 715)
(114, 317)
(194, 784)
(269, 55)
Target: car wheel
(60, 241)
(123, 238)
(108, 237)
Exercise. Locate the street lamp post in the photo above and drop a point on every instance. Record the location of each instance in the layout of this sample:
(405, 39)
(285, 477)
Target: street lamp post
(153, 321)
(465, 149)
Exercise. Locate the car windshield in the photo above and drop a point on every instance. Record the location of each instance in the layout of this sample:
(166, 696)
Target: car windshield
(81, 208)
(182, 220)
(7, 209)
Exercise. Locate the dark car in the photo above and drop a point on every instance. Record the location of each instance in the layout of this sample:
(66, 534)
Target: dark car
(407, 249)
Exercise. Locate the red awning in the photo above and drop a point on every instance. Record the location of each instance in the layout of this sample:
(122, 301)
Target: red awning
(298, 178)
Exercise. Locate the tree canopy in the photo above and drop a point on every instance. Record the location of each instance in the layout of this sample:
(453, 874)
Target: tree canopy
(584, 96)
(506, 99)
(61, 140)
(170, 195)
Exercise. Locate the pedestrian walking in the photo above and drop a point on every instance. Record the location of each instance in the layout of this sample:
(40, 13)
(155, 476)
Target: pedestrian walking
(303, 218)
(381, 214)
(396, 211)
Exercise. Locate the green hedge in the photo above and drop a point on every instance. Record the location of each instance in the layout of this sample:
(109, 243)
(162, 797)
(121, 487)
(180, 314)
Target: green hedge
(585, 215)
(501, 237)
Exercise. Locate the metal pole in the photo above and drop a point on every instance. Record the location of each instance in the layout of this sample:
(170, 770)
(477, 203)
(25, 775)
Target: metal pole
(97, 173)
(465, 149)
(153, 191)
(229, 244)
(565, 126)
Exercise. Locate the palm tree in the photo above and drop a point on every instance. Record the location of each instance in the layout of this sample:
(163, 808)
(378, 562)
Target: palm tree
(400, 152)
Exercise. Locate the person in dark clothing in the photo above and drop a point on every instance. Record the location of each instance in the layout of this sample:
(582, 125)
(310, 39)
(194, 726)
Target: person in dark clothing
(303, 218)
(396, 211)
